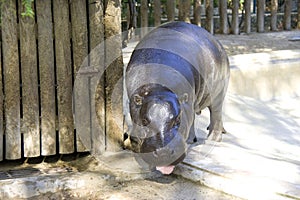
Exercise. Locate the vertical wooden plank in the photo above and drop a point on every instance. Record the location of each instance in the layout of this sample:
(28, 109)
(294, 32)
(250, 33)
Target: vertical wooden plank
(1, 110)
(144, 17)
(298, 13)
(114, 75)
(81, 90)
(47, 74)
(274, 8)
(79, 32)
(287, 14)
(96, 62)
(209, 16)
(184, 10)
(247, 5)
(223, 16)
(11, 79)
(30, 99)
(235, 17)
(157, 12)
(261, 4)
(197, 12)
(171, 10)
(63, 75)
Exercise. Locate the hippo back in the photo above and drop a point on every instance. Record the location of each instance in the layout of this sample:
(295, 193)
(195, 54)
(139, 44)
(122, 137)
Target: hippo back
(180, 56)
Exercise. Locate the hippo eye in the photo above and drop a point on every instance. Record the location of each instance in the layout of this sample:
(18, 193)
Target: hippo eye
(145, 122)
(184, 98)
(138, 100)
(177, 121)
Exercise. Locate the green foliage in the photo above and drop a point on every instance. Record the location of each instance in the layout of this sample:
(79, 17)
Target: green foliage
(28, 8)
(28, 5)
(241, 4)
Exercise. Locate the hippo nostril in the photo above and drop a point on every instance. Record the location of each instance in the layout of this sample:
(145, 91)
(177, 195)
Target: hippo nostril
(155, 154)
(172, 152)
(145, 122)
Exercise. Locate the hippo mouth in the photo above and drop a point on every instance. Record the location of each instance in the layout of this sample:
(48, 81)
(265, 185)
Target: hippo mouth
(166, 170)
(163, 159)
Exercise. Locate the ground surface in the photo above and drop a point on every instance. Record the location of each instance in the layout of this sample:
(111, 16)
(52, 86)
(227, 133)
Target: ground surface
(263, 42)
(101, 183)
(85, 178)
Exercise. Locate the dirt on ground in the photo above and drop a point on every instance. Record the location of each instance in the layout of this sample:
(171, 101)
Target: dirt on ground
(106, 184)
(167, 187)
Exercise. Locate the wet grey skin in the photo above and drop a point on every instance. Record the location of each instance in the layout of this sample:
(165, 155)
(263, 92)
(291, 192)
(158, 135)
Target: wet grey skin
(175, 71)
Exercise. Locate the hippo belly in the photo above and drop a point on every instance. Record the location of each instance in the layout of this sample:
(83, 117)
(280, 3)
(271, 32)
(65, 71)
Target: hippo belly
(175, 71)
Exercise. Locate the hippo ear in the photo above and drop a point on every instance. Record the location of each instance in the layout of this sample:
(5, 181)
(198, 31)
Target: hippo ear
(138, 100)
(183, 98)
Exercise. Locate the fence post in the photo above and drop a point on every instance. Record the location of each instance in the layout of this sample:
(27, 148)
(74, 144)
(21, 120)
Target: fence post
(81, 91)
(235, 17)
(30, 99)
(144, 17)
(47, 80)
(287, 14)
(223, 16)
(247, 5)
(274, 8)
(113, 75)
(210, 16)
(11, 79)
(197, 12)
(1, 110)
(96, 63)
(64, 75)
(171, 10)
(298, 22)
(157, 12)
(261, 15)
(184, 10)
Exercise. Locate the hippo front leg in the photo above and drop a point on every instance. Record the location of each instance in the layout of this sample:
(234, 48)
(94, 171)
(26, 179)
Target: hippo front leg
(192, 136)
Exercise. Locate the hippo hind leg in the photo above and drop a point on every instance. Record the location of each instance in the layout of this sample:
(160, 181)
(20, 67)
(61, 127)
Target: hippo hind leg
(216, 127)
(223, 131)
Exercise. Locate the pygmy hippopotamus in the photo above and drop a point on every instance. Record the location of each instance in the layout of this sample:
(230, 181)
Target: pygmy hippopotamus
(175, 71)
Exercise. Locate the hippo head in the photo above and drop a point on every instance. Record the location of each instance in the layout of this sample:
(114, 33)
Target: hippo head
(156, 136)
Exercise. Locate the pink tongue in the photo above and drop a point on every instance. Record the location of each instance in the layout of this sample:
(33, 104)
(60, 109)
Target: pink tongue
(166, 169)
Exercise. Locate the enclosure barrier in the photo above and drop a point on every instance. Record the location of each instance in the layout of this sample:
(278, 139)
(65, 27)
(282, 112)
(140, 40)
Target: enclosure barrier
(221, 16)
(40, 59)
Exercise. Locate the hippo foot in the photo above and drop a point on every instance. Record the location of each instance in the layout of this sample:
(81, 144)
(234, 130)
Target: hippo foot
(215, 136)
(223, 131)
(192, 140)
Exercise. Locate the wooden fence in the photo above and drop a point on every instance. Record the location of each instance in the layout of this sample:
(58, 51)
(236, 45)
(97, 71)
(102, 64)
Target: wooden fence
(40, 60)
(222, 16)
